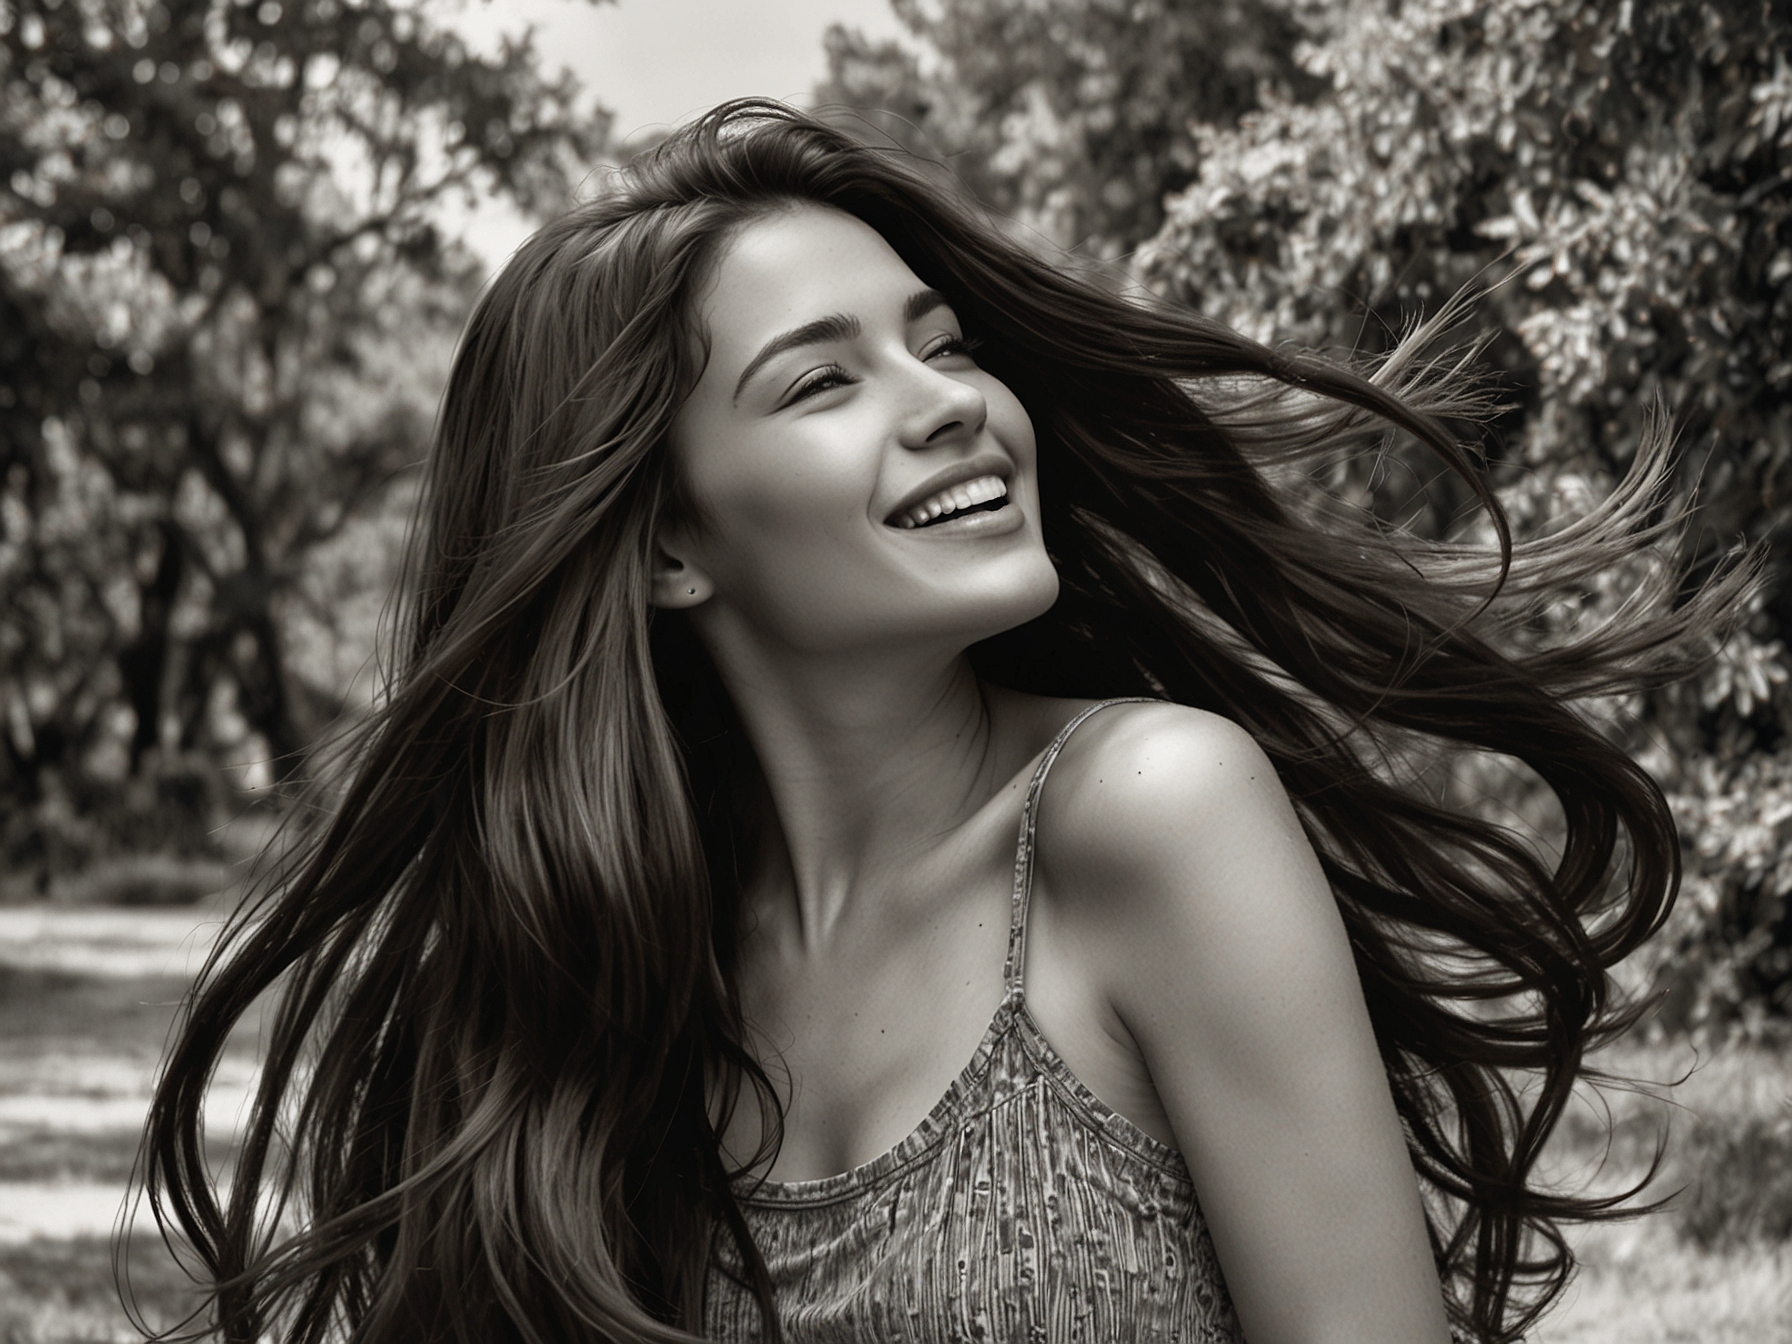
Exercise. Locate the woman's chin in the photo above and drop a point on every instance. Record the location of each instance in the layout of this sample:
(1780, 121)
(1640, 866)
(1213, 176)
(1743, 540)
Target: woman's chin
(1014, 609)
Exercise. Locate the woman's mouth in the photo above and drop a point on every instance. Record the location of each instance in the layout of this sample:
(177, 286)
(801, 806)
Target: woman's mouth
(983, 494)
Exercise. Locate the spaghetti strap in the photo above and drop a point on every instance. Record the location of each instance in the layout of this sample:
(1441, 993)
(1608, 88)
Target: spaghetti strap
(1013, 972)
(1022, 1206)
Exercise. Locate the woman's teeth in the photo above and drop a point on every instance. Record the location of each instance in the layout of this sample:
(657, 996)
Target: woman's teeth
(954, 499)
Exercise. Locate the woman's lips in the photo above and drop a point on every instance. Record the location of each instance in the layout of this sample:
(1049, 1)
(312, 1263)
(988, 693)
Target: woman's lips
(971, 523)
(954, 503)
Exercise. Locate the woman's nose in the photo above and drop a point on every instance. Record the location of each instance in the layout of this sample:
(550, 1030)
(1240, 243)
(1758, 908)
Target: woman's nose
(941, 408)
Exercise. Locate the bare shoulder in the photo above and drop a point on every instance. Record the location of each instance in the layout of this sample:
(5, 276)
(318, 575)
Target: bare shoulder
(1182, 889)
(1133, 751)
(1160, 800)
(1167, 845)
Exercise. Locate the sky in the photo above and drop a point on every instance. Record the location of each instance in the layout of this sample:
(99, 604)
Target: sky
(657, 62)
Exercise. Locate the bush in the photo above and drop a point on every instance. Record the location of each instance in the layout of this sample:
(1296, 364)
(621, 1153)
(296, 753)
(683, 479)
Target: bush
(1739, 1182)
(1614, 177)
(1623, 169)
(225, 311)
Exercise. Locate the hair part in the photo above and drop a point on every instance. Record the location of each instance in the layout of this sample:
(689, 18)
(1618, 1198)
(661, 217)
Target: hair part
(504, 944)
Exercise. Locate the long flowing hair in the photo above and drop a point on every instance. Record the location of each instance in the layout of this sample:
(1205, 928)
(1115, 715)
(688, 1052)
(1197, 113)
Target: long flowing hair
(504, 947)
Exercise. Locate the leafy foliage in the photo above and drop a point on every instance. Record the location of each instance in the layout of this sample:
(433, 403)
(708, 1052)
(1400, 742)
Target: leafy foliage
(1613, 178)
(225, 308)
(1070, 116)
(1628, 165)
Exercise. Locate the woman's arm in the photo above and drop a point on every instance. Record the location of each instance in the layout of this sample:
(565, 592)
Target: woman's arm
(1173, 853)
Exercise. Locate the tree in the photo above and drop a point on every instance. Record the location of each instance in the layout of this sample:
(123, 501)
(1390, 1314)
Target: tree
(224, 313)
(1070, 116)
(1624, 167)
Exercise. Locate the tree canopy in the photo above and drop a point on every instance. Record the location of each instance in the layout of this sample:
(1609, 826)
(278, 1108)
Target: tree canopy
(226, 303)
(1613, 181)
(1625, 168)
(225, 309)
(1070, 116)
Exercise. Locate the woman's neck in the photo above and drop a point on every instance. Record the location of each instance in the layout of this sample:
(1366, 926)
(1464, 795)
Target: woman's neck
(869, 762)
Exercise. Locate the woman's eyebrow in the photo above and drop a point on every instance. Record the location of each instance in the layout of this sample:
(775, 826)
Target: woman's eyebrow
(835, 327)
(921, 303)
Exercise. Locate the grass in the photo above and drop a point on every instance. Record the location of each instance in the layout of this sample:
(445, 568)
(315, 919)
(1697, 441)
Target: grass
(59, 1011)
(1712, 1266)
(1645, 1286)
(1742, 1193)
(64, 1291)
(78, 1054)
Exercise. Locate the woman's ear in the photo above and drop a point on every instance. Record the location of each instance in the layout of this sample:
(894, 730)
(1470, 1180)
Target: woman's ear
(678, 584)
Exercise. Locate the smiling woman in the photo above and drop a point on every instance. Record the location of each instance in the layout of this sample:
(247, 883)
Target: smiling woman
(842, 466)
(886, 826)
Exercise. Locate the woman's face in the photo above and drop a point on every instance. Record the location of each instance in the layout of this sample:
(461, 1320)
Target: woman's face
(860, 481)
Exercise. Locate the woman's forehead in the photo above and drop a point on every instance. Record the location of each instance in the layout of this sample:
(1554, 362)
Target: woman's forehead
(792, 267)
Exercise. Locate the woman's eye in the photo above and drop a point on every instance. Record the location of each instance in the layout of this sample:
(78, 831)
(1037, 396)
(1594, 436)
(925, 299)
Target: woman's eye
(821, 380)
(953, 345)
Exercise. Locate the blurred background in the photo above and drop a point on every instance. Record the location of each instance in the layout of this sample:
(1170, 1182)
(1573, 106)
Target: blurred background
(237, 241)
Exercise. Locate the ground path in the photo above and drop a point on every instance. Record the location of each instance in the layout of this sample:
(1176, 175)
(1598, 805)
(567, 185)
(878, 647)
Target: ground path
(87, 996)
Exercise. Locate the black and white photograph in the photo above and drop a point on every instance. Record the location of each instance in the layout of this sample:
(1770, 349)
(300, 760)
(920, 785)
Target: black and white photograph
(895, 671)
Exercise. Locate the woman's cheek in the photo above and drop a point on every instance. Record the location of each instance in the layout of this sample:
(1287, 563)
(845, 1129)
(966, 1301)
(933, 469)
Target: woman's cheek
(789, 545)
